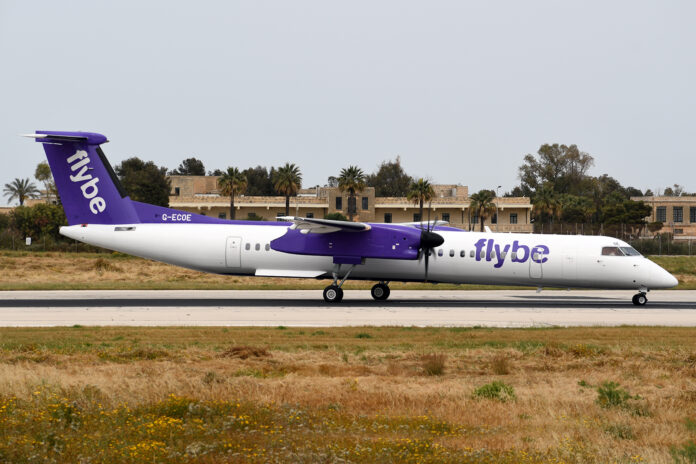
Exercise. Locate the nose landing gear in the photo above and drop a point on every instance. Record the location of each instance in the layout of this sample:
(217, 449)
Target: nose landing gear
(640, 299)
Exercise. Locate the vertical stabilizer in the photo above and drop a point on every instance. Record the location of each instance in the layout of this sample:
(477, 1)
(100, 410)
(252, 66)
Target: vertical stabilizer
(87, 185)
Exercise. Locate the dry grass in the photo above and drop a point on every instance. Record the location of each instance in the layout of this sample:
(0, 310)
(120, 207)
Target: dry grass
(324, 396)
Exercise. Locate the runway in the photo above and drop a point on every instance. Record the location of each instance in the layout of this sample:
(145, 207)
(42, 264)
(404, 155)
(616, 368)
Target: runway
(306, 308)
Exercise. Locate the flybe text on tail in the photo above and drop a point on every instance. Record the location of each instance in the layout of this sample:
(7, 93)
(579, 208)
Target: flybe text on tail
(79, 163)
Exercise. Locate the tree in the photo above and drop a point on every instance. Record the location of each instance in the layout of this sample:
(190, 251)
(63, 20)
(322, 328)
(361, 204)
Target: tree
(259, 181)
(390, 180)
(44, 175)
(675, 191)
(351, 179)
(216, 172)
(38, 220)
(419, 192)
(189, 167)
(545, 203)
(482, 202)
(231, 183)
(144, 181)
(21, 189)
(335, 217)
(562, 166)
(575, 208)
(287, 180)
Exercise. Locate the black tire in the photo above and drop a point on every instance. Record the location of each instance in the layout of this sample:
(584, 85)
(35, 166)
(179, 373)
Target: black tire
(380, 292)
(634, 300)
(333, 294)
(641, 299)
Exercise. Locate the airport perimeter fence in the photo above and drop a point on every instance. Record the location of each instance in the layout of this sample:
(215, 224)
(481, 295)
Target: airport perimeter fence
(637, 235)
(12, 240)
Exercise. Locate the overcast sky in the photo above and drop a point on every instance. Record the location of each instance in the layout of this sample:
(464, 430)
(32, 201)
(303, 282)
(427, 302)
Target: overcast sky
(460, 90)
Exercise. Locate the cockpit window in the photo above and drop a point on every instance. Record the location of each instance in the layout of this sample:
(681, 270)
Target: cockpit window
(611, 251)
(630, 251)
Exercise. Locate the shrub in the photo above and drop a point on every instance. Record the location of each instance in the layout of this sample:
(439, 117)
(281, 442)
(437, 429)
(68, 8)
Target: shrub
(620, 431)
(497, 390)
(244, 352)
(611, 395)
(335, 217)
(363, 335)
(102, 265)
(433, 364)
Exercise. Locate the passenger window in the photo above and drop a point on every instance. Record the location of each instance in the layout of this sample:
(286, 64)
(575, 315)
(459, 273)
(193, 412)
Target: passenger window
(514, 255)
(268, 247)
(611, 251)
(257, 247)
(439, 252)
(462, 254)
(247, 247)
(483, 254)
(503, 254)
(472, 253)
(451, 253)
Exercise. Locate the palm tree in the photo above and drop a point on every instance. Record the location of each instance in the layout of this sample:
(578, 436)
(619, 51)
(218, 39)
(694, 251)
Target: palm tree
(546, 203)
(287, 181)
(352, 179)
(231, 183)
(482, 202)
(419, 192)
(21, 189)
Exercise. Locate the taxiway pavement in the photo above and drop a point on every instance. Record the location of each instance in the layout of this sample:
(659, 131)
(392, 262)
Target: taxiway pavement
(492, 308)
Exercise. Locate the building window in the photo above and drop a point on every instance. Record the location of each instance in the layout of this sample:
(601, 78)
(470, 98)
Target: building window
(416, 217)
(661, 214)
(339, 203)
(678, 231)
(678, 213)
(222, 215)
(446, 217)
(310, 215)
(494, 218)
(692, 214)
(474, 219)
(388, 217)
(365, 203)
(177, 191)
(513, 218)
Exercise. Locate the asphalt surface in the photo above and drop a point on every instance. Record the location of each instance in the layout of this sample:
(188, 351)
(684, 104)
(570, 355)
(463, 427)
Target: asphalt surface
(508, 308)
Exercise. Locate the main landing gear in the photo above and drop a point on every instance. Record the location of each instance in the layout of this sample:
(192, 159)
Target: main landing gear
(640, 299)
(334, 293)
(380, 291)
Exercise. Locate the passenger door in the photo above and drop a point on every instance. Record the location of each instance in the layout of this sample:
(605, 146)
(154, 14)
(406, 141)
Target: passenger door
(233, 252)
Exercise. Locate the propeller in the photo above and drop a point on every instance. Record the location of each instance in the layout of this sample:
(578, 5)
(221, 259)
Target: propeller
(428, 241)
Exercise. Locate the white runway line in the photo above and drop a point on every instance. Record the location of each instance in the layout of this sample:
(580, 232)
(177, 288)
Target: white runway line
(509, 308)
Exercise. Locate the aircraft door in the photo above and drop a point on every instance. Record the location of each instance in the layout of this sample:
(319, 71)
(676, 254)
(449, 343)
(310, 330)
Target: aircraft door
(535, 266)
(233, 252)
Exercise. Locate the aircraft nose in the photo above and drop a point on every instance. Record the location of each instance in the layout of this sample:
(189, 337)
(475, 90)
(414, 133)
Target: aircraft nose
(660, 278)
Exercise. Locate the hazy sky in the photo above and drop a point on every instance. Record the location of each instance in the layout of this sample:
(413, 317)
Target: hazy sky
(460, 90)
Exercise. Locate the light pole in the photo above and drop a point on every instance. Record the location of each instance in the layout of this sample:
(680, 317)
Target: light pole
(497, 219)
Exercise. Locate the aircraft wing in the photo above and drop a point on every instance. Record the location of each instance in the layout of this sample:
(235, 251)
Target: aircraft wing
(324, 226)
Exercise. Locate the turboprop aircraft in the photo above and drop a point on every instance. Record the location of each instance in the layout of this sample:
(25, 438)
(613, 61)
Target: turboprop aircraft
(100, 213)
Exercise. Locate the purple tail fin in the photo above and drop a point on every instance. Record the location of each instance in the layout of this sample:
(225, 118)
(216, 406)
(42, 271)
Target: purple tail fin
(87, 185)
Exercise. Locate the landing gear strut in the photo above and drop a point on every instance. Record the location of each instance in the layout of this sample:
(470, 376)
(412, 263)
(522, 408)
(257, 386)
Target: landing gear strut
(380, 291)
(334, 293)
(640, 299)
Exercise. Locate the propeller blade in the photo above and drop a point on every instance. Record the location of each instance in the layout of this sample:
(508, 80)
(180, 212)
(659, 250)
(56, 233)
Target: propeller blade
(427, 255)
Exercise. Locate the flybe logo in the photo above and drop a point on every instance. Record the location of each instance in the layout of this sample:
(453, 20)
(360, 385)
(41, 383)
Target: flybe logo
(79, 163)
(520, 253)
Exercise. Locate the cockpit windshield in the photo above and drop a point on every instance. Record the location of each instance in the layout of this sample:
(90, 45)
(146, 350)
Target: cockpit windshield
(619, 251)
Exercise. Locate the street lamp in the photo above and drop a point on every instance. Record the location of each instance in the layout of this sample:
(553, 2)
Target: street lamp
(497, 219)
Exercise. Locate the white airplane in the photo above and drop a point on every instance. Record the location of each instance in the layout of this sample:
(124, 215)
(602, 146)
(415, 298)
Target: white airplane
(100, 213)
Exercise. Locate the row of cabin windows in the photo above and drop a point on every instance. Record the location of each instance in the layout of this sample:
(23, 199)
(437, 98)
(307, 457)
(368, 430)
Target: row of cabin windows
(257, 247)
(472, 253)
(365, 203)
(677, 214)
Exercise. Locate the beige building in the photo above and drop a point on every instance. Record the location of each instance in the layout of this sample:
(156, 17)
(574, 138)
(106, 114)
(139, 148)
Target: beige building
(677, 214)
(199, 194)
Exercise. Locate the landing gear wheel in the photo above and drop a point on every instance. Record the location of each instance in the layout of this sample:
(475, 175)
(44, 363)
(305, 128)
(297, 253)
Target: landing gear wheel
(640, 299)
(380, 292)
(333, 294)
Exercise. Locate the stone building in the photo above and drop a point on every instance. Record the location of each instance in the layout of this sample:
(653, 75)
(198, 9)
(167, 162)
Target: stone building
(200, 194)
(677, 214)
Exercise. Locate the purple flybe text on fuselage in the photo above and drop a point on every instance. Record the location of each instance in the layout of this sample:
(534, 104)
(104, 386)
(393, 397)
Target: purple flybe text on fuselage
(520, 253)
(79, 163)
